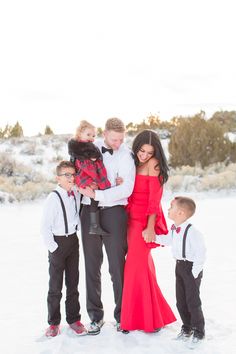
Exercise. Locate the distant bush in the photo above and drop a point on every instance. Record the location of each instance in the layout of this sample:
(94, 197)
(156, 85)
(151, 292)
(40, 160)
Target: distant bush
(48, 130)
(217, 176)
(197, 141)
(227, 119)
(232, 156)
(30, 190)
(8, 166)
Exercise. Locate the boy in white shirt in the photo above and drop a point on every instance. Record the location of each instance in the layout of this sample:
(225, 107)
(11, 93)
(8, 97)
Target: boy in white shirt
(59, 225)
(189, 250)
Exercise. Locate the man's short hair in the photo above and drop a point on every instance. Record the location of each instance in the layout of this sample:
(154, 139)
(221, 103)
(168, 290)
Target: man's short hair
(187, 204)
(115, 124)
(64, 164)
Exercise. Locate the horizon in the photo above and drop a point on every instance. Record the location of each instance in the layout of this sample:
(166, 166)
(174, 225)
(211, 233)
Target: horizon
(60, 131)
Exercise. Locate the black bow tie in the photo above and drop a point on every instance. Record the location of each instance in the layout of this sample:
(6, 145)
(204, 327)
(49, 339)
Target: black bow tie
(104, 149)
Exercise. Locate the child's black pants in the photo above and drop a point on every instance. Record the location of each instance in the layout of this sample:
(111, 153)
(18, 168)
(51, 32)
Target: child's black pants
(188, 297)
(65, 260)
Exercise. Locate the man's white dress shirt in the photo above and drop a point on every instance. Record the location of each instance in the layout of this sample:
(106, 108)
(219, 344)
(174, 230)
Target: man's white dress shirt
(119, 164)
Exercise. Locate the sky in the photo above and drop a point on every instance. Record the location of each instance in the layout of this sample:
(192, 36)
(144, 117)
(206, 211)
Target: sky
(63, 61)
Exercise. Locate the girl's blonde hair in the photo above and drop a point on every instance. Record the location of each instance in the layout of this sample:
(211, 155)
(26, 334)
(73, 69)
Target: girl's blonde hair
(84, 124)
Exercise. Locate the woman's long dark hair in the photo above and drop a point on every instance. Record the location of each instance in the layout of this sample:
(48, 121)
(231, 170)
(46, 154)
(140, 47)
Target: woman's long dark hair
(150, 137)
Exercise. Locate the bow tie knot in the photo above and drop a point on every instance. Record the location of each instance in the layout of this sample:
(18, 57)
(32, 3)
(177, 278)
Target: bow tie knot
(104, 149)
(176, 229)
(71, 193)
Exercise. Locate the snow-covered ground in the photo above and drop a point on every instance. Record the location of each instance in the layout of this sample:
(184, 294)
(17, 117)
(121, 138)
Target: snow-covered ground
(24, 280)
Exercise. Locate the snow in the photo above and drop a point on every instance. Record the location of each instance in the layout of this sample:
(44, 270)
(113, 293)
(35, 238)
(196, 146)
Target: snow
(24, 277)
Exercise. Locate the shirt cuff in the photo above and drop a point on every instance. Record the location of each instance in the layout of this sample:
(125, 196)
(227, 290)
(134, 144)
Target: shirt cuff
(99, 196)
(52, 246)
(196, 270)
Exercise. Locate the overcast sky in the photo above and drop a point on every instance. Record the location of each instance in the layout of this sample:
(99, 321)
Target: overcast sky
(63, 61)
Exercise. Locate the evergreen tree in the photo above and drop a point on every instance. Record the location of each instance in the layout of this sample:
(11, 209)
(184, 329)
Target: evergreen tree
(16, 131)
(5, 133)
(48, 130)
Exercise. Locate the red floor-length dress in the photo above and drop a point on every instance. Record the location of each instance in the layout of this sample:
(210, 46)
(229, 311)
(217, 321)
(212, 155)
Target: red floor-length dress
(143, 305)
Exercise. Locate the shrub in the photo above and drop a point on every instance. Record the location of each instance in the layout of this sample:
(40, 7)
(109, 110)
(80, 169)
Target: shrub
(196, 140)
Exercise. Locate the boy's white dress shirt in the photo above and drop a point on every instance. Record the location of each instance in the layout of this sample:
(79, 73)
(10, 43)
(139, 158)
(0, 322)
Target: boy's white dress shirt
(119, 164)
(195, 246)
(53, 219)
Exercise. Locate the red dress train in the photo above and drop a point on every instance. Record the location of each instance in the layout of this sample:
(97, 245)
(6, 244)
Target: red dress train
(143, 305)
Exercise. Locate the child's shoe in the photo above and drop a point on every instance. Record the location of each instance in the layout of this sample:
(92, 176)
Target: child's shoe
(52, 331)
(78, 328)
(95, 227)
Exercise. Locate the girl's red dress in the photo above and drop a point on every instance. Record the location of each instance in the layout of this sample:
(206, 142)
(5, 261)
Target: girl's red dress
(143, 304)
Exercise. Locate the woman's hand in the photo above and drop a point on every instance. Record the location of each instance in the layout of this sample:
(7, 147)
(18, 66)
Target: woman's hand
(88, 192)
(149, 235)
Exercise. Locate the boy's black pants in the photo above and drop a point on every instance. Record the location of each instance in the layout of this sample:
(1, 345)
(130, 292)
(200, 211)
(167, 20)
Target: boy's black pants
(188, 297)
(64, 260)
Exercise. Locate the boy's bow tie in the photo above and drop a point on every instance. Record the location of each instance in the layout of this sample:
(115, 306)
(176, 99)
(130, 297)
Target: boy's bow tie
(177, 229)
(71, 193)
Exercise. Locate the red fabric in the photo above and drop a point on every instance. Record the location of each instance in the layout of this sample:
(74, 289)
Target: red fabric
(89, 171)
(177, 229)
(143, 304)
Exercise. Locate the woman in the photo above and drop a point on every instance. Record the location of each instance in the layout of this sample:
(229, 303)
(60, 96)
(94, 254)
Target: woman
(143, 305)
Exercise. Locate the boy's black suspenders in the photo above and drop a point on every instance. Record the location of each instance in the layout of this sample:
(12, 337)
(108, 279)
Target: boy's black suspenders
(64, 212)
(184, 241)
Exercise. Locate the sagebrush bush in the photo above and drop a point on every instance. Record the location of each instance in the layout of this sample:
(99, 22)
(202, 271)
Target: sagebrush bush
(8, 166)
(217, 177)
(197, 141)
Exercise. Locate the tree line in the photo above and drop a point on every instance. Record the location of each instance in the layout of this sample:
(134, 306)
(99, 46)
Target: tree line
(193, 139)
(16, 131)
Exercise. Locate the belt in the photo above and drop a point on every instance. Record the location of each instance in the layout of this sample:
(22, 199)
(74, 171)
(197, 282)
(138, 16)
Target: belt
(109, 207)
(74, 234)
(182, 261)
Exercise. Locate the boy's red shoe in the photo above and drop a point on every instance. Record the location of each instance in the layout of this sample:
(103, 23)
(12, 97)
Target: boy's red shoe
(78, 328)
(52, 331)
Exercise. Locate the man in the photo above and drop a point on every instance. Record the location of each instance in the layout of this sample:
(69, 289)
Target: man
(118, 161)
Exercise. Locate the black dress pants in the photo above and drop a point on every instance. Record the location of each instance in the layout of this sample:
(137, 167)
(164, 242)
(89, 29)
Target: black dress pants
(113, 220)
(188, 297)
(65, 260)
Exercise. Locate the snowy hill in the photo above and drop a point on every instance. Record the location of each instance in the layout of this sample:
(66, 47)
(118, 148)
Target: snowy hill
(24, 277)
(27, 169)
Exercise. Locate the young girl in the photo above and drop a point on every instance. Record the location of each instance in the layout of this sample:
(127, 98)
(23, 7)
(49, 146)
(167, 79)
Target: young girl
(91, 172)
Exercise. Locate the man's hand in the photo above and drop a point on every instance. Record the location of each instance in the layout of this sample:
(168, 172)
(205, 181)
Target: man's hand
(88, 192)
(93, 185)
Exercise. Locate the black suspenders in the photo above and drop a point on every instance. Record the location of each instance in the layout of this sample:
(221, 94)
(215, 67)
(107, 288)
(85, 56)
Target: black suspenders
(64, 211)
(184, 241)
